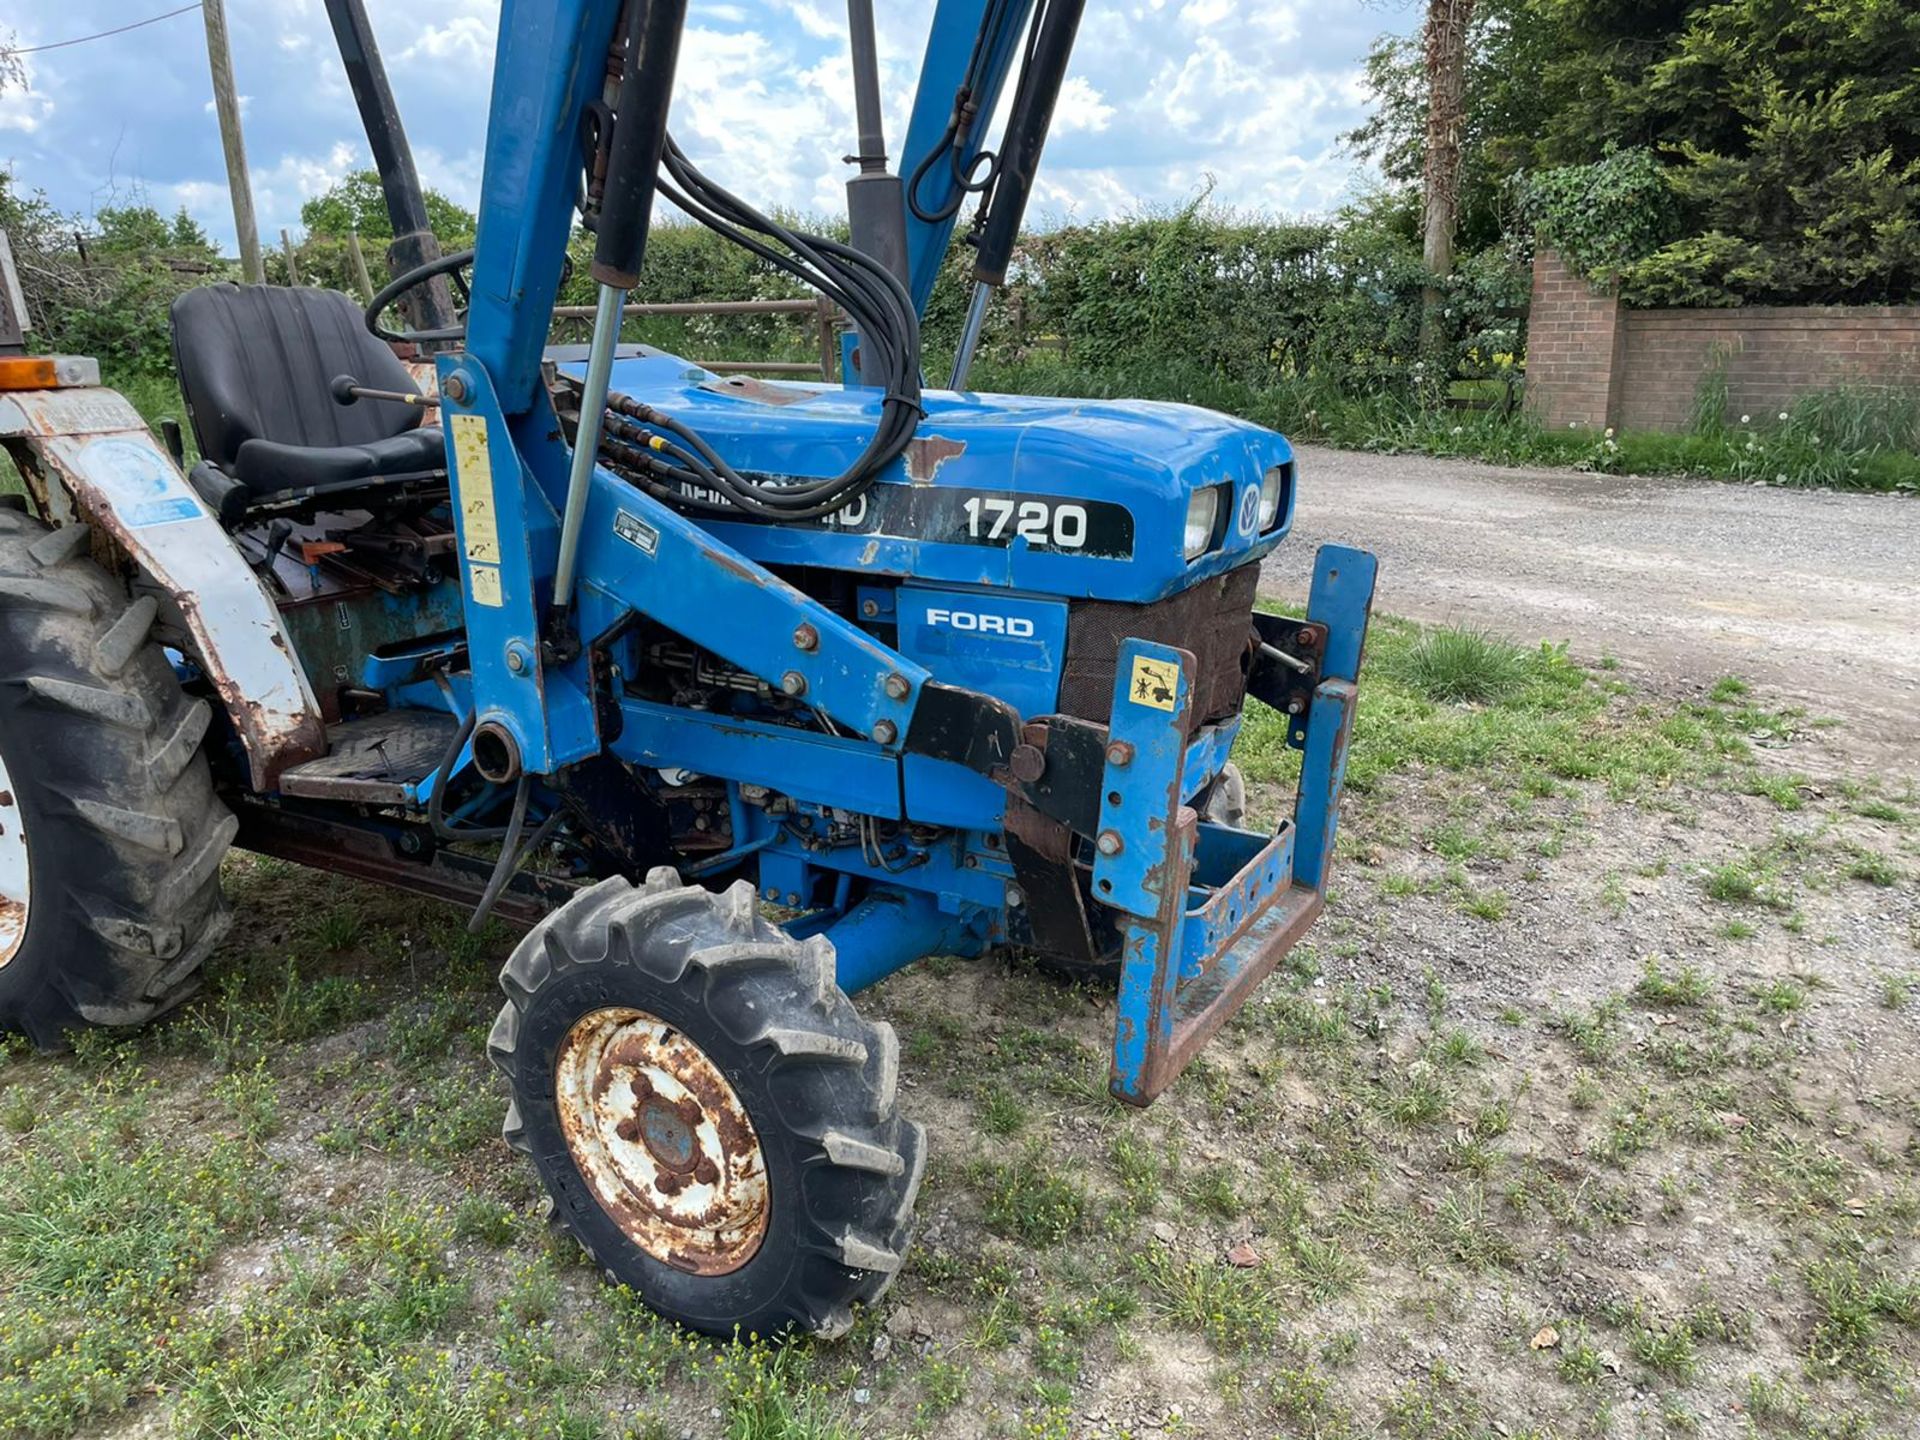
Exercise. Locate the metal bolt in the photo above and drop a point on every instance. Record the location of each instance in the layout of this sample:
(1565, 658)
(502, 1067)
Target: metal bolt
(456, 389)
(773, 892)
(869, 608)
(1296, 705)
(897, 687)
(886, 732)
(806, 638)
(1014, 898)
(793, 683)
(1110, 842)
(1305, 637)
(516, 662)
(1119, 753)
(1028, 763)
(793, 899)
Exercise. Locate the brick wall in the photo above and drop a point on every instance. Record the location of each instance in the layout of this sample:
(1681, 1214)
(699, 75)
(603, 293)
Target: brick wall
(1573, 342)
(1592, 361)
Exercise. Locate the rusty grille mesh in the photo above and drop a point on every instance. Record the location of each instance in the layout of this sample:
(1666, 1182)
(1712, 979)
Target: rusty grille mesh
(1213, 620)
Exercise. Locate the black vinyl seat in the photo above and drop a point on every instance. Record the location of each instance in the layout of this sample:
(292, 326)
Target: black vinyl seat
(257, 364)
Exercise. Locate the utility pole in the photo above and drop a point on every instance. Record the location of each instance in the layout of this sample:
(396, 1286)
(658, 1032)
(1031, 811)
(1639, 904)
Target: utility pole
(226, 104)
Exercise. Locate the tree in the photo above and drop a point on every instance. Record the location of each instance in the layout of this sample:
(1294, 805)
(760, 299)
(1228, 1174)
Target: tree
(358, 203)
(1446, 60)
(13, 68)
(141, 231)
(1787, 134)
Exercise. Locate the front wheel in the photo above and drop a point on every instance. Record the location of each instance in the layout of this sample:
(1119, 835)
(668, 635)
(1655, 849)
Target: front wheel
(714, 1121)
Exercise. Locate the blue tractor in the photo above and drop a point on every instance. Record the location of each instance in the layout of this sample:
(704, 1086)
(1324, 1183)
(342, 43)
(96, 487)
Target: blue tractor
(741, 695)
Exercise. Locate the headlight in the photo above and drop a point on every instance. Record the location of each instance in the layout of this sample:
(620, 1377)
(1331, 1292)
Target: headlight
(1271, 489)
(1203, 510)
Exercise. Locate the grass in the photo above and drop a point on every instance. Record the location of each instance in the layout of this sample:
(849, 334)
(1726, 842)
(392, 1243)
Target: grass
(1027, 1199)
(1234, 1309)
(288, 1210)
(1462, 666)
(1683, 985)
(1548, 721)
(106, 1230)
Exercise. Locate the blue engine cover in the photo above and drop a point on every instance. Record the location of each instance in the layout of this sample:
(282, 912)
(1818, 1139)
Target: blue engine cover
(1070, 498)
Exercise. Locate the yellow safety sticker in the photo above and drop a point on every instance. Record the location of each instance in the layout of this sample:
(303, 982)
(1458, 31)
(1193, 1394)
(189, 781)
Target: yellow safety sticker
(1156, 683)
(475, 464)
(485, 583)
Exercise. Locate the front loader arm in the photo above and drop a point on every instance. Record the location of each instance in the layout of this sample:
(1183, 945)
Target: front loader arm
(640, 556)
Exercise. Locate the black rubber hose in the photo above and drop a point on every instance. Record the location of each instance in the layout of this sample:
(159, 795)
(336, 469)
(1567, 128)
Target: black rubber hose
(875, 300)
(513, 854)
(437, 802)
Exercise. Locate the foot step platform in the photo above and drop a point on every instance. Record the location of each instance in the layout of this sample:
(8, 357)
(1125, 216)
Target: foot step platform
(376, 761)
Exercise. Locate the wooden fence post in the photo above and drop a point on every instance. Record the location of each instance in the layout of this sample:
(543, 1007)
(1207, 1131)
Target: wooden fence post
(293, 270)
(823, 319)
(360, 267)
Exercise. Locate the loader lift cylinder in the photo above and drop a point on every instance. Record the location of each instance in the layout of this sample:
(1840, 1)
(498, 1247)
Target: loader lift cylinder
(414, 243)
(652, 52)
(1040, 80)
(876, 200)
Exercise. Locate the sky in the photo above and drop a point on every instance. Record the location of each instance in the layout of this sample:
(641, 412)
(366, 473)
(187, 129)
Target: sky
(1164, 97)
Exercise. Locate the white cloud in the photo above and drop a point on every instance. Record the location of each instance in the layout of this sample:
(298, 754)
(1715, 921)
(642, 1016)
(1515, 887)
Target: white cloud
(22, 107)
(1081, 108)
(1162, 94)
(465, 42)
(24, 111)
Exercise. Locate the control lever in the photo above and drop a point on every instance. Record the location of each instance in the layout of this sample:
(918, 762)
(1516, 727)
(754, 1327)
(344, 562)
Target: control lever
(346, 390)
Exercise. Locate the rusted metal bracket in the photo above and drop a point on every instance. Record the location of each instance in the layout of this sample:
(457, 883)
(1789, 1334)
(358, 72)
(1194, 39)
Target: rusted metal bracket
(1288, 656)
(92, 460)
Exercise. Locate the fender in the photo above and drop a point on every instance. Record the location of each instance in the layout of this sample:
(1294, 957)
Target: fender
(89, 458)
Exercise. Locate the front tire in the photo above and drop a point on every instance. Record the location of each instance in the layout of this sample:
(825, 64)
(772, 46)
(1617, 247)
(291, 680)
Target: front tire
(109, 827)
(714, 1121)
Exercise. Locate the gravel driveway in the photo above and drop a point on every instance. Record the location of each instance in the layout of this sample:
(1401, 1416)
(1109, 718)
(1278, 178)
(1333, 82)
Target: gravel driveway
(1814, 596)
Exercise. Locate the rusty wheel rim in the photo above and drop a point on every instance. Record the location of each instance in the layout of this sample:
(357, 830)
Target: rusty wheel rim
(663, 1141)
(13, 871)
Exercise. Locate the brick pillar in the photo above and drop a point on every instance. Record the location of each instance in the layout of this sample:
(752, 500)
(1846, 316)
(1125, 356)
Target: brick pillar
(1574, 338)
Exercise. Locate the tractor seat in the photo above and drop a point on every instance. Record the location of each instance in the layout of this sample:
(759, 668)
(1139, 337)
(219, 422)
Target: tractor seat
(257, 363)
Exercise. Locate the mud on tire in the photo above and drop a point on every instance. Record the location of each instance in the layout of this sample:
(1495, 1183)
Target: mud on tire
(817, 1085)
(124, 836)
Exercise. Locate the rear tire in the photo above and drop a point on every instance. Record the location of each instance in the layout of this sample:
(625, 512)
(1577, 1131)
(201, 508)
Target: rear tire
(714, 1121)
(123, 834)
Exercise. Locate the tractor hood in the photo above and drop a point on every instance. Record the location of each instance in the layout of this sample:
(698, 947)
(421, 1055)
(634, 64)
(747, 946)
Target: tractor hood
(1075, 498)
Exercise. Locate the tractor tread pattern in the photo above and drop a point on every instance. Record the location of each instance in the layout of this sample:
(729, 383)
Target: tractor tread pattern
(775, 996)
(123, 786)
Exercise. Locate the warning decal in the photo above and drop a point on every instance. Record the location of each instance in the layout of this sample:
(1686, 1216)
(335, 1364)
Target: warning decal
(475, 464)
(1156, 683)
(479, 527)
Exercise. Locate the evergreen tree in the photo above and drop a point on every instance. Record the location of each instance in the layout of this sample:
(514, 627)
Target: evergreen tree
(1788, 135)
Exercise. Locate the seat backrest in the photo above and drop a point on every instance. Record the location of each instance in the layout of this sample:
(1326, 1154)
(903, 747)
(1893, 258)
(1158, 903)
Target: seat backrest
(257, 362)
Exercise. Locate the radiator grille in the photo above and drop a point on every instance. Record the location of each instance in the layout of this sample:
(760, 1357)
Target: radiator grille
(1213, 620)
